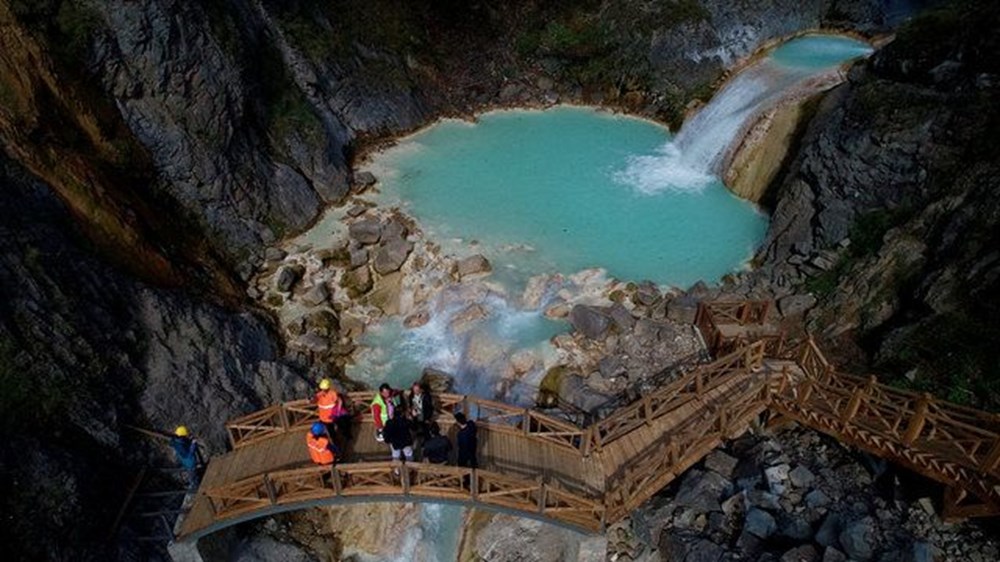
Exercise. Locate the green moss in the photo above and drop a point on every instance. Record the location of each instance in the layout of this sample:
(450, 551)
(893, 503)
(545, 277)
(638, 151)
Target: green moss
(288, 112)
(65, 26)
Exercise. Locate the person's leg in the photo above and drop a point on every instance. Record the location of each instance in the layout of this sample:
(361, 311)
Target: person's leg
(395, 453)
(408, 452)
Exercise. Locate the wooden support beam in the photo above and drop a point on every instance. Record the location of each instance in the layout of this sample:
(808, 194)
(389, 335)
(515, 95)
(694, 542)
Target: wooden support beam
(272, 494)
(992, 460)
(335, 480)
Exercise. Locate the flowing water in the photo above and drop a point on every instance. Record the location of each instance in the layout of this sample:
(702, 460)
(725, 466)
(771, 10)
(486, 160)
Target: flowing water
(560, 191)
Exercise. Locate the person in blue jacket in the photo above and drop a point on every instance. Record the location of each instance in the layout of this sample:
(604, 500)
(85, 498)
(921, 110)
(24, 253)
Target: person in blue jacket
(186, 449)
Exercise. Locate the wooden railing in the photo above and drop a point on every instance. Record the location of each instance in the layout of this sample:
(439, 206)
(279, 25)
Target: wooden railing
(497, 416)
(939, 439)
(407, 480)
(713, 315)
(662, 401)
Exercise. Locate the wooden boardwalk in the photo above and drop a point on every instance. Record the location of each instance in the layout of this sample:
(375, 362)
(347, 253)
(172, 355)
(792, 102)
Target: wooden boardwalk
(539, 466)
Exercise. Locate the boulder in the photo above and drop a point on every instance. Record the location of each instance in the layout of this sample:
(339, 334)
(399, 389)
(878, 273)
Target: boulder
(794, 527)
(858, 539)
(682, 309)
(316, 296)
(436, 380)
(356, 210)
(777, 478)
(322, 322)
(386, 294)
(274, 254)
(701, 491)
(357, 281)
(804, 553)
(313, 342)
(463, 321)
(560, 310)
(801, 477)
(394, 229)
(358, 256)
(622, 317)
(676, 545)
(828, 531)
(647, 294)
(365, 231)
(922, 552)
(833, 555)
(721, 463)
(391, 255)
(590, 321)
(817, 498)
(760, 523)
(288, 276)
(417, 319)
(794, 305)
(266, 549)
(363, 180)
(472, 265)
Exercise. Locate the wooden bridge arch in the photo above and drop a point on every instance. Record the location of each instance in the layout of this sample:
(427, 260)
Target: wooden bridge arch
(540, 466)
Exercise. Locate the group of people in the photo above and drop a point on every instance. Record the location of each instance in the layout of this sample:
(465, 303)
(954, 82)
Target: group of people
(405, 421)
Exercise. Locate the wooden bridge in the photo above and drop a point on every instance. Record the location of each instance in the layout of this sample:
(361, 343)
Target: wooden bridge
(540, 466)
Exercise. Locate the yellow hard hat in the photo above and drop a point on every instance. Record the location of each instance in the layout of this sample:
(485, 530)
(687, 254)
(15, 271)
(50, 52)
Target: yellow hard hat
(324, 384)
(181, 431)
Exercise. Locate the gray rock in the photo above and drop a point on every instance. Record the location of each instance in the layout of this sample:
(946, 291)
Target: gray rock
(794, 527)
(394, 229)
(681, 546)
(313, 342)
(359, 256)
(764, 500)
(357, 281)
(647, 294)
(473, 265)
(829, 530)
(817, 498)
(777, 478)
(366, 231)
(701, 491)
(622, 317)
(734, 504)
(721, 463)
(437, 381)
(858, 539)
(611, 366)
(804, 553)
(317, 295)
(590, 321)
(391, 255)
(801, 477)
(356, 210)
(682, 309)
(794, 305)
(274, 254)
(364, 180)
(833, 555)
(760, 523)
(287, 277)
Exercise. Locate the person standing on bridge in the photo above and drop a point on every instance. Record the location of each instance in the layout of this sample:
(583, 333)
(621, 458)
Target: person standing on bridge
(186, 449)
(421, 409)
(383, 407)
(437, 448)
(397, 433)
(321, 450)
(467, 440)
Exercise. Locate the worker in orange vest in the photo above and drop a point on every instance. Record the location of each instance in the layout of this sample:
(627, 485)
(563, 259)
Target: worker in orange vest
(321, 450)
(331, 411)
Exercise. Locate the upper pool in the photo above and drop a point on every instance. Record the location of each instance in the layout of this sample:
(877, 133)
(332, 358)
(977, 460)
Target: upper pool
(815, 52)
(542, 192)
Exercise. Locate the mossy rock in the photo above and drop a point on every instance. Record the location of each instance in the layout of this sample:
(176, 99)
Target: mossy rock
(548, 389)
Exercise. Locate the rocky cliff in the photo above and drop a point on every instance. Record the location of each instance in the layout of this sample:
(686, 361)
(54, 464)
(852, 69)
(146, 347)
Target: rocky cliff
(889, 213)
(153, 147)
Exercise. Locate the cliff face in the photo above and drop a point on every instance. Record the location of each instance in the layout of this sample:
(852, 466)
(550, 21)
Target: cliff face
(890, 214)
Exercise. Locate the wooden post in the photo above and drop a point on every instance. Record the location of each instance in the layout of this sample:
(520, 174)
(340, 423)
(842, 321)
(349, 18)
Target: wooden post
(526, 420)
(698, 384)
(335, 479)
(805, 390)
(541, 498)
(474, 484)
(647, 407)
(587, 437)
(992, 460)
(404, 477)
(853, 404)
(916, 424)
(272, 494)
(283, 416)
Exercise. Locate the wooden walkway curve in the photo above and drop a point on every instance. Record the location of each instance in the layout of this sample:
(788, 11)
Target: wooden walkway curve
(540, 466)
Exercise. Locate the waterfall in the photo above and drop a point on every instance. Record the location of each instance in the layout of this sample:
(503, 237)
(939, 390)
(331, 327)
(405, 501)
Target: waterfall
(694, 158)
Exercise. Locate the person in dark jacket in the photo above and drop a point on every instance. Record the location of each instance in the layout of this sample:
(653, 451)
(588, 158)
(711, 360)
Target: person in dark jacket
(467, 441)
(421, 409)
(186, 449)
(397, 434)
(437, 448)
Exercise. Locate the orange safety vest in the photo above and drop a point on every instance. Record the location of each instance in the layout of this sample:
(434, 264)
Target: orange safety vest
(319, 449)
(326, 405)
